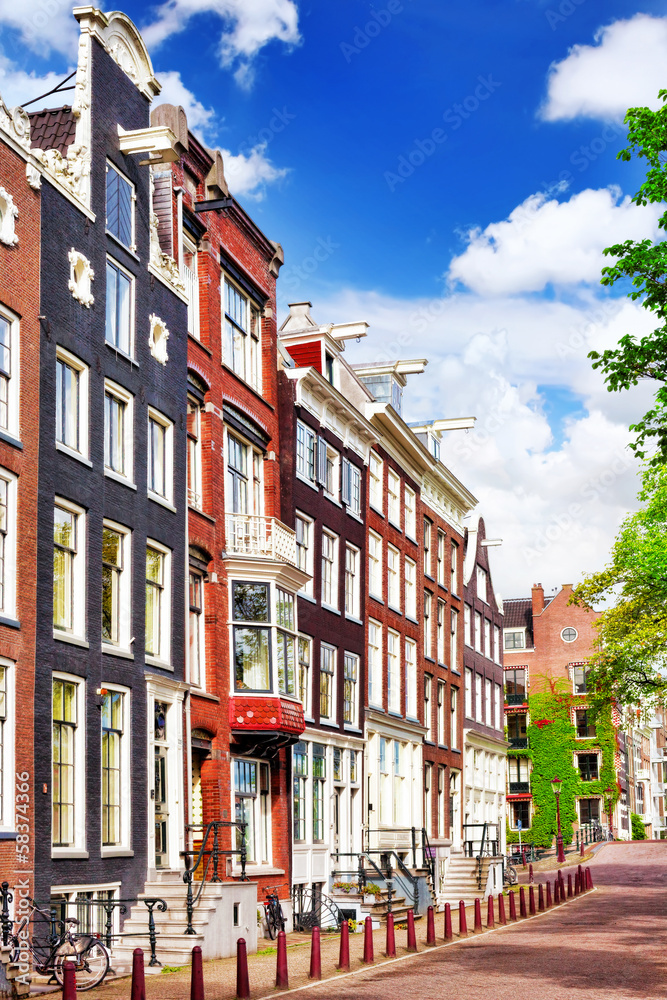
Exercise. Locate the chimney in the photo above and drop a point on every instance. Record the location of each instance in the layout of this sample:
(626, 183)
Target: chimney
(301, 311)
(538, 599)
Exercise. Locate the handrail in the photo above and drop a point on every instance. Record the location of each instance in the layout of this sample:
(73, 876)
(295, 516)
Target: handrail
(429, 860)
(479, 858)
(318, 899)
(414, 882)
(200, 861)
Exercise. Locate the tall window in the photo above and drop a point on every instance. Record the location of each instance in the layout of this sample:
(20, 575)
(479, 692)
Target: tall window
(393, 671)
(286, 642)
(351, 487)
(428, 805)
(237, 476)
(411, 678)
(304, 647)
(428, 642)
(441, 801)
(350, 678)
(479, 706)
(7, 418)
(375, 482)
(374, 564)
(331, 463)
(115, 601)
(252, 637)
(428, 527)
(304, 550)
(454, 568)
(454, 640)
(588, 764)
(581, 679)
(499, 707)
(65, 717)
(585, 728)
(319, 776)
(196, 649)
(300, 771)
(467, 624)
(6, 751)
(160, 438)
(241, 335)
(120, 207)
(157, 602)
(352, 582)
(410, 502)
(7, 542)
(478, 632)
(306, 446)
(515, 686)
(327, 682)
(253, 808)
(394, 498)
(468, 693)
(191, 281)
(112, 735)
(71, 396)
(441, 558)
(496, 644)
(68, 569)
(117, 430)
(453, 723)
(118, 329)
(428, 708)
(482, 584)
(410, 589)
(488, 701)
(329, 569)
(374, 663)
(442, 609)
(487, 638)
(442, 708)
(194, 453)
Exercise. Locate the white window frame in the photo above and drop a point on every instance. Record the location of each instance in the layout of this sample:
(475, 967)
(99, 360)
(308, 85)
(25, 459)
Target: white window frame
(508, 631)
(394, 498)
(131, 306)
(488, 652)
(351, 487)
(442, 615)
(477, 619)
(410, 505)
(497, 648)
(164, 658)
(124, 590)
(468, 693)
(441, 695)
(332, 585)
(109, 850)
(441, 569)
(8, 566)
(499, 706)
(482, 584)
(427, 550)
(410, 577)
(479, 703)
(191, 281)
(252, 356)
(428, 624)
(453, 722)
(302, 455)
(262, 815)
(125, 397)
(78, 630)
(352, 582)
(10, 817)
(194, 445)
(375, 482)
(200, 680)
(81, 416)
(375, 565)
(410, 653)
(332, 484)
(166, 423)
(13, 428)
(351, 660)
(78, 847)
(253, 509)
(428, 707)
(329, 719)
(467, 625)
(488, 702)
(393, 578)
(308, 550)
(454, 568)
(454, 640)
(375, 663)
(393, 671)
(305, 691)
(133, 199)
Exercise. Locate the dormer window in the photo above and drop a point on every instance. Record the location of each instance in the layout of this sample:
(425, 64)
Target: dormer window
(434, 446)
(329, 367)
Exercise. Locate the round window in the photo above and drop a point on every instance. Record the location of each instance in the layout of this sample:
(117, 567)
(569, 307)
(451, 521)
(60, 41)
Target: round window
(568, 634)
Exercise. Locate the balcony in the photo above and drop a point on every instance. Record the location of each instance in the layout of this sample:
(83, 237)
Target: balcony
(263, 721)
(518, 742)
(519, 787)
(515, 699)
(253, 537)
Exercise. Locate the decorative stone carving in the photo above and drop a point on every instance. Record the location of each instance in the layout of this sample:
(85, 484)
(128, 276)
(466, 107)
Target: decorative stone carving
(33, 176)
(116, 32)
(165, 265)
(8, 216)
(16, 124)
(157, 339)
(73, 173)
(81, 275)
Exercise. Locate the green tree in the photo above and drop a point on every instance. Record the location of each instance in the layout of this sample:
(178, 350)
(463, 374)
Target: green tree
(644, 264)
(638, 828)
(629, 664)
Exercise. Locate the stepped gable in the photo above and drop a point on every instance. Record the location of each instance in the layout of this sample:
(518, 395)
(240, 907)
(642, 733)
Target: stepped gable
(52, 128)
(519, 614)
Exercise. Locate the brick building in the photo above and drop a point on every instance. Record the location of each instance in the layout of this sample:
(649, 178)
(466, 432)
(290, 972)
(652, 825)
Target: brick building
(325, 446)
(20, 247)
(484, 743)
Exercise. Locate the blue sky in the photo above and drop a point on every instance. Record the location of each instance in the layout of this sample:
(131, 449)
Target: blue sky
(446, 172)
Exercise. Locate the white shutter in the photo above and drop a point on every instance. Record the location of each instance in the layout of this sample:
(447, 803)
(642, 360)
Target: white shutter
(321, 461)
(347, 483)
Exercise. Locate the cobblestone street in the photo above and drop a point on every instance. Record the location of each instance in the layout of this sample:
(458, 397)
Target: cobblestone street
(610, 943)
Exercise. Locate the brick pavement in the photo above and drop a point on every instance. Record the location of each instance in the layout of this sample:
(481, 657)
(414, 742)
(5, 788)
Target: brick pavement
(565, 953)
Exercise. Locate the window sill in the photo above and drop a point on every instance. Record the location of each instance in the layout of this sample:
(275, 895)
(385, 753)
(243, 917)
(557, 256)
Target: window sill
(454, 750)
(71, 639)
(411, 619)
(110, 474)
(355, 515)
(153, 661)
(411, 539)
(430, 659)
(156, 498)
(123, 654)
(455, 596)
(332, 499)
(329, 724)
(328, 607)
(76, 455)
(349, 728)
(202, 513)
(121, 354)
(8, 835)
(10, 622)
(395, 715)
(257, 390)
(308, 482)
(10, 439)
(307, 597)
(258, 870)
(411, 718)
(429, 577)
(116, 852)
(119, 243)
(200, 693)
(376, 598)
(455, 671)
(353, 619)
(378, 510)
(443, 665)
(68, 852)
(394, 524)
(392, 607)
(200, 343)
(376, 708)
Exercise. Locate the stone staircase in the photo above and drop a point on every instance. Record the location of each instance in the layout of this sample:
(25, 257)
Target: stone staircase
(461, 881)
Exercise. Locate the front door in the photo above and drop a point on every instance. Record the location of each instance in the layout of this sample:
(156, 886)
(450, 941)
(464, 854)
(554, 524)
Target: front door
(161, 809)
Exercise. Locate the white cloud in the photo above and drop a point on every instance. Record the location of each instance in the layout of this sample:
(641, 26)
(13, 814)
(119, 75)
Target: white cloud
(249, 174)
(625, 68)
(17, 86)
(544, 241)
(249, 25)
(45, 26)
(200, 118)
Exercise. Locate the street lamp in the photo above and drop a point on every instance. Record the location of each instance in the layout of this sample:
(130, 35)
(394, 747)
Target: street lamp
(557, 784)
(609, 795)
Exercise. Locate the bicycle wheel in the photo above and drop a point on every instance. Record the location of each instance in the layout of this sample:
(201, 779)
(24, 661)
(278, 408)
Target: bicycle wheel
(91, 966)
(271, 921)
(279, 918)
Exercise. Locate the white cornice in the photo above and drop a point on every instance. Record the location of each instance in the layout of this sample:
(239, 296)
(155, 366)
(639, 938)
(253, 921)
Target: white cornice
(283, 574)
(333, 410)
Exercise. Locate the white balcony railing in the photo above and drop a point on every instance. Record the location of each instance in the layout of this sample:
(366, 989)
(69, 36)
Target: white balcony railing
(259, 538)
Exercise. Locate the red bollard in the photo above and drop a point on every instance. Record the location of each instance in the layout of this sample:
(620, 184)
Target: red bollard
(69, 979)
(540, 897)
(549, 900)
(196, 975)
(463, 925)
(242, 981)
(556, 891)
(581, 849)
(478, 915)
(561, 884)
(576, 883)
(138, 991)
(315, 955)
(412, 937)
(430, 926)
(502, 919)
(569, 885)
(524, 857)
(512, 906)
(589, 878)
(390, 950)
(531, 900)
(530, 874)
(368, 941)
(522, 902)
(344, 955)
(448, 922)
(282, 978)
(490, 921)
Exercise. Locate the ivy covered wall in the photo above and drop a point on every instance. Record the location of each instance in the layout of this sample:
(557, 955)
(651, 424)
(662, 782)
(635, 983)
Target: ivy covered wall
(552, 744)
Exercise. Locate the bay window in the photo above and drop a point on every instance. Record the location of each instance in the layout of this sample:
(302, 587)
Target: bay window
(264, 633)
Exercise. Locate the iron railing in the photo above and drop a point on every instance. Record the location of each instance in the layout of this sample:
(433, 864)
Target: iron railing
(206, 861)
(312, 907)
(518, 742)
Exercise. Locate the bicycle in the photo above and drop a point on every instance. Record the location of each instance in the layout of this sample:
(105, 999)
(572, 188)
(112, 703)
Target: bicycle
(275, 920)
(510, 876)
(86, 952)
